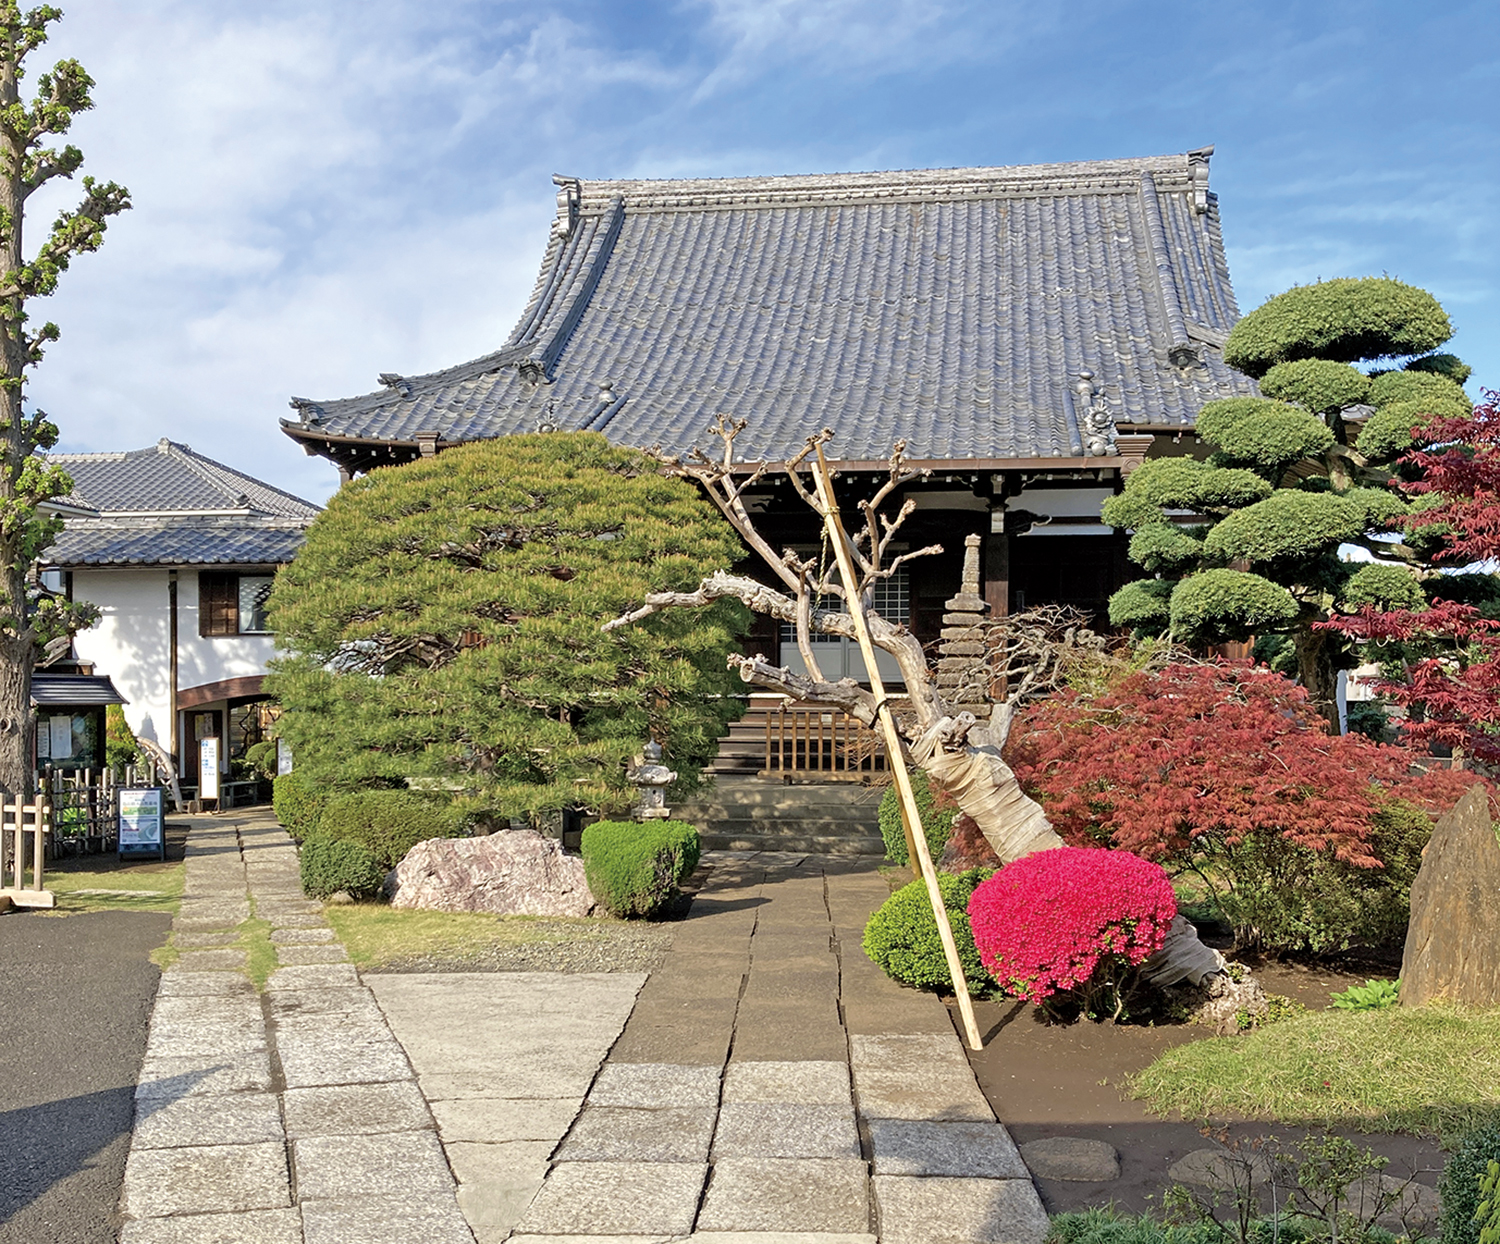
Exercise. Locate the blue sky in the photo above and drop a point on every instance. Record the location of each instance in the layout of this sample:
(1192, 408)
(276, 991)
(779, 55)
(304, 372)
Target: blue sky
(325, 190)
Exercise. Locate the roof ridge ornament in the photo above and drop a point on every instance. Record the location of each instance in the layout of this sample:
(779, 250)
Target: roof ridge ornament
(308, 411)
(569, 200)
(1096, 422)
(1198, 168)
(395, 380)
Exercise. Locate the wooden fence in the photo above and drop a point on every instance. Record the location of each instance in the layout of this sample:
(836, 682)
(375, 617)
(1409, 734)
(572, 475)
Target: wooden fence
(819, 743)
(18, 822)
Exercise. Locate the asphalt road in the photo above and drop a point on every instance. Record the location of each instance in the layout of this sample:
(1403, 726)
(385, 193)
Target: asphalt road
(75, 998)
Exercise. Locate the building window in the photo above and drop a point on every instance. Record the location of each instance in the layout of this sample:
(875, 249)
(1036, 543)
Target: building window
(892, 602)
(232, 604)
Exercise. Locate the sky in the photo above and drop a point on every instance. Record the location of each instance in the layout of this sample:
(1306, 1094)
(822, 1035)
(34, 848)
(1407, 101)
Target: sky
(328, 189)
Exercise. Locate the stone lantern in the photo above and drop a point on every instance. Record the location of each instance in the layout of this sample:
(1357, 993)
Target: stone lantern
(653, 778)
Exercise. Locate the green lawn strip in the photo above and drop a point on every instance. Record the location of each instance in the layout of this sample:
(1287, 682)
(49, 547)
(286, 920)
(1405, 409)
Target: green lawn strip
(159, 885)
(1430, 1070)
(260, 952)
(374, 934)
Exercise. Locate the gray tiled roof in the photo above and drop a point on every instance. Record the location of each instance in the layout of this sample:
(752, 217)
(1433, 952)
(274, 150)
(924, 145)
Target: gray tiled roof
(187, 541)
(954, 308)
(170, 478)
(49, 689)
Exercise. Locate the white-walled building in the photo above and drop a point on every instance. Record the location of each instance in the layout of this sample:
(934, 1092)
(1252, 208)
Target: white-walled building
(178, 553)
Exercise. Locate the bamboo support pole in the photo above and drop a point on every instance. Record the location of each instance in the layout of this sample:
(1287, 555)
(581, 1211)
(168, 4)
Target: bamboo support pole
(895, 756)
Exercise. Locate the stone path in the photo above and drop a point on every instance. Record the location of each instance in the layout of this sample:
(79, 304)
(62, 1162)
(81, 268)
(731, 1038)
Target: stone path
(769, 1081)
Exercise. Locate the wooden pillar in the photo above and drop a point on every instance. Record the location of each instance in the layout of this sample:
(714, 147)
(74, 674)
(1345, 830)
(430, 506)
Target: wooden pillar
(997, 574)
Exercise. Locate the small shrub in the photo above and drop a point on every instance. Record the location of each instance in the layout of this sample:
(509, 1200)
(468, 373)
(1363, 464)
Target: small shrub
(902, 937)
(388, 822)
(262, 757)
(634, 869)
(330, 865)
(298, 805)
(1072, 920)
(120, 747)
(1487, 1217)
(936, 809)
(1371, 996)
(1459, 1185)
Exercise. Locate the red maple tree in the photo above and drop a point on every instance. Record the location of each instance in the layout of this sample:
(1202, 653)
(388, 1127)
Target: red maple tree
(1196, 759)
(1451, 692)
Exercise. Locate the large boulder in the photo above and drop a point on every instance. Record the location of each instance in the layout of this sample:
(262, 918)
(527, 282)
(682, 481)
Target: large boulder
(1453, 942)
(516, 872)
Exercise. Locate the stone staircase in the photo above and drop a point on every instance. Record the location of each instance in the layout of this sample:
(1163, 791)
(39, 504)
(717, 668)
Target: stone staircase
(747, 813)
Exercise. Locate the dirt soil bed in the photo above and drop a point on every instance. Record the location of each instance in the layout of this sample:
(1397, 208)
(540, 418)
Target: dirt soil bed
(1051, 1080)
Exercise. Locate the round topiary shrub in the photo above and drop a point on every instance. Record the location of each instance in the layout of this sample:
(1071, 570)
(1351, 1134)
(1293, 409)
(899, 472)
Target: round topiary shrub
(902, 936)
(298, 805)
(1459, 1184)
(330, 865)
(636, 869)
(937, 812)
(1072, 920)
(388, 822)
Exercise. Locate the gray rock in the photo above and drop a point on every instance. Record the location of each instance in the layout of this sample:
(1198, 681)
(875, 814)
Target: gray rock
(1220, 1169)
(1072, 1158)
(512, 873)
(1453, 941)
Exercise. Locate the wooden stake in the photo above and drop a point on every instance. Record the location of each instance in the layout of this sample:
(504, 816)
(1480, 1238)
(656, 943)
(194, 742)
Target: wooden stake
(893, 746)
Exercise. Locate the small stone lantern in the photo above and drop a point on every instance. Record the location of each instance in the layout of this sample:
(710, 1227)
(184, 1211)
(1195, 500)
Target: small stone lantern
(653, 778)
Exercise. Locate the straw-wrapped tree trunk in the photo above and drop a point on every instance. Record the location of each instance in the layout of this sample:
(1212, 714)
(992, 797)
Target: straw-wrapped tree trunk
(959, 754)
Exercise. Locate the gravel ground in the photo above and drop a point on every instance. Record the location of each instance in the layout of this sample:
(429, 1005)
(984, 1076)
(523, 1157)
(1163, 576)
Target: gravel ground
(605, 946)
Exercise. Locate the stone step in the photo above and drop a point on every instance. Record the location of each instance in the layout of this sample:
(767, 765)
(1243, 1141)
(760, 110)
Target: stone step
(812, 844)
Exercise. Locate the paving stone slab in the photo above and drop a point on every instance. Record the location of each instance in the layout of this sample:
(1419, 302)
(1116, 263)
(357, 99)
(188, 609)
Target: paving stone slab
(314, 1057)
(623, 1134)
(491, 1210)
(417, 1218)
(780, 1130)
(177, 982)
(297, 955)
(902, 1052)
(653, 1085)
(166, 1076)
(514, 1083)
(185, 941)
(296, 919)
(959, 1211)
(355, 1110)
(787, 1194)
(1071, 1158)
(592, 1239)
(511, 1164)
(779, 1237)
(490, 1119)
(703, 1044)
(616, 1198)
(238, 1008)
(313, 976)
(933, 1095)
(181, 1039)
(256, 1226)
(214, 1179)
(1220, 1169)
(970, 1150)
(822, 1082)
(343, 1167)
(302, 937)
(207, 1119)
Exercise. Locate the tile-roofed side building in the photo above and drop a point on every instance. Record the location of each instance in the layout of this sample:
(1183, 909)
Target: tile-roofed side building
(178, 552)
(954, 308)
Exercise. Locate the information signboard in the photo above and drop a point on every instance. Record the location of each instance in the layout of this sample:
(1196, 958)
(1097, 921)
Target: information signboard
(208, 768)
(141, 823)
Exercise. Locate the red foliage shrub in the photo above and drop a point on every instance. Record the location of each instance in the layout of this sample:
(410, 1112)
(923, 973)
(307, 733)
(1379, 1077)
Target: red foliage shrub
(1196, 759)
(1049, 922)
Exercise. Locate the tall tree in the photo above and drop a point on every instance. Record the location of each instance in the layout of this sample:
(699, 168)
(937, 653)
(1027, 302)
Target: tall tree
(1247, 542)
(27, 163)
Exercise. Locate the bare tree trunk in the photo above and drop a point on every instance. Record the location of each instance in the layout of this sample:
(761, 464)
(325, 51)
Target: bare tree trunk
(1315, 651)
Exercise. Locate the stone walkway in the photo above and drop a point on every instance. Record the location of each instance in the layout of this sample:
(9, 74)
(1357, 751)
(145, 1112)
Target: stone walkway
(769, 1080)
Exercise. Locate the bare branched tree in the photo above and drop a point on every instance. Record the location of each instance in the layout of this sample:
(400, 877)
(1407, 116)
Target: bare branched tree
(959, 753)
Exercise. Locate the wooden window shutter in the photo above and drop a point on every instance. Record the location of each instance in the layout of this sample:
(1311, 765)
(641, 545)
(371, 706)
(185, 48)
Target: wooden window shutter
(218, 603)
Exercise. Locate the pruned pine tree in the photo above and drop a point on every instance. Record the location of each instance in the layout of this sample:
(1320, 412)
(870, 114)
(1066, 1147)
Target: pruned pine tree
(1248, 542)
(29, 618)
(959, 753)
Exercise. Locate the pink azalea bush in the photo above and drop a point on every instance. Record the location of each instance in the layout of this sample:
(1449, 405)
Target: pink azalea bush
(1072, 921)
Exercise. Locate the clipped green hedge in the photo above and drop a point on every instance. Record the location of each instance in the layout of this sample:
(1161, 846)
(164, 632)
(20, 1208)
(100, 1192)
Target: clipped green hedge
(1144, 605)
(1449, 365)
(902, 937)
(937, 824)
(1288, 524)
(1459, 1184)
(1384, 587)
(1318, 384)
(298, 805)
(1269, 434)
(1346, 320)
(1181, 483)
(388, 822)
(636, 869)
(330, 865)
(1167, 547)
(1416, 386)
(1219, 605)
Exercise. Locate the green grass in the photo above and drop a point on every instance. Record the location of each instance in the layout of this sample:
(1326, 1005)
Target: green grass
(1430, 1070)
(261, 959)
(153, 885)
(374, 934)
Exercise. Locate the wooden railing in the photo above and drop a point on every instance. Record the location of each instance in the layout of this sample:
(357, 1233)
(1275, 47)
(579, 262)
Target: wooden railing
(19, 821)
(819, 742)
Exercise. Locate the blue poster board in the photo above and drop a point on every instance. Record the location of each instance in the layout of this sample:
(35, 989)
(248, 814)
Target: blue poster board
(142, 822)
